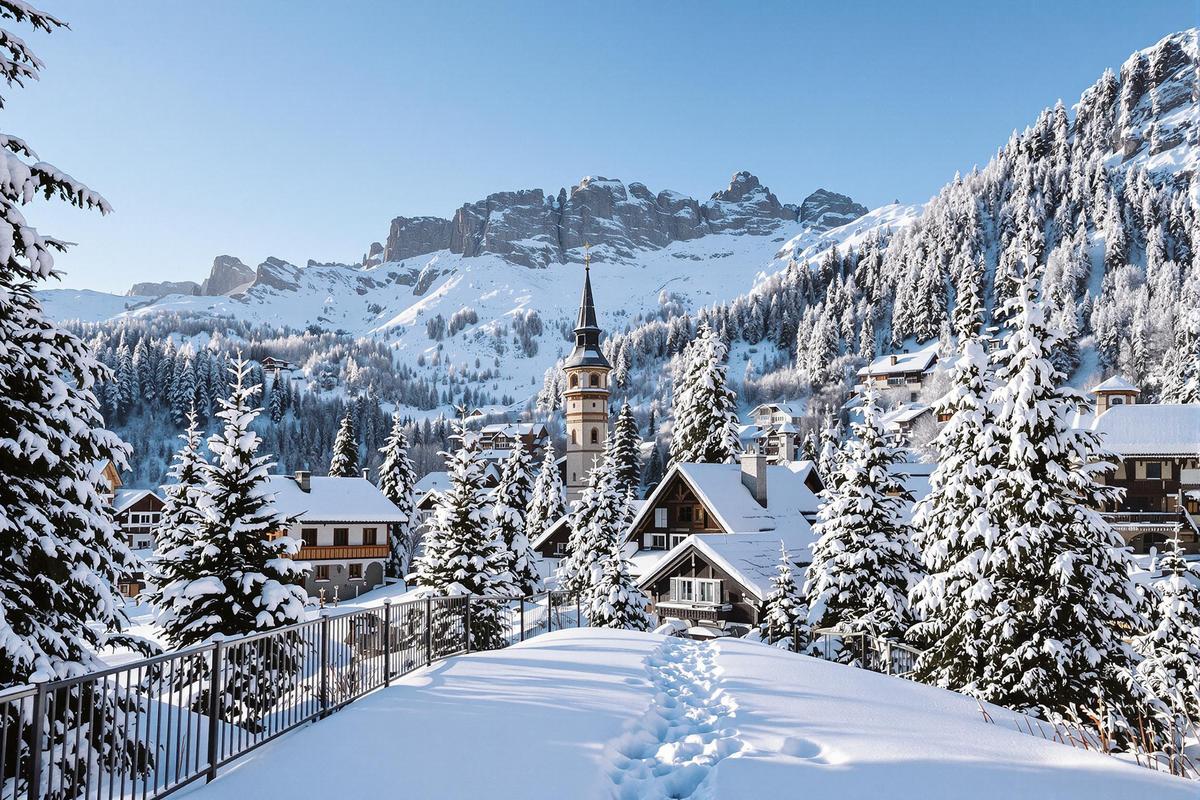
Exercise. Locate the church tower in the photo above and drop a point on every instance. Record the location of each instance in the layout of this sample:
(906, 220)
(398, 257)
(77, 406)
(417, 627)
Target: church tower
(585, 398)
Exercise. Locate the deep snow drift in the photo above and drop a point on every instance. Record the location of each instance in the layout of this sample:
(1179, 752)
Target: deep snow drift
(608, 714)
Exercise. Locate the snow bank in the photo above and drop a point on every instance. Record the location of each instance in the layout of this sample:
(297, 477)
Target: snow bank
(603, 714)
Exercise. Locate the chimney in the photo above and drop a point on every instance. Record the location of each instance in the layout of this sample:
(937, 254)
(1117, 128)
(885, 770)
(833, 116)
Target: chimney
(754, 474)
(304, 478)
(366, 474)
(894, 359)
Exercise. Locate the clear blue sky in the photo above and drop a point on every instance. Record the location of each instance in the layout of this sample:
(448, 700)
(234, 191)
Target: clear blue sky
(299, 129)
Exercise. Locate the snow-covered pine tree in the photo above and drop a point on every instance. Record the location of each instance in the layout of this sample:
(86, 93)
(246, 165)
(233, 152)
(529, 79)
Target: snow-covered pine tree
(952, 528)
(61, 555)
(344, 463)
(830, 452)
(1170, 650)
(462, 553)
(784, 617)
(864, 563)
(239, 577)
(1059, 574)
(616, 600)
(510, 499)
(595, 525)
(178, 532)
(626, 443)
(397, 476)
(546, 504)
(704, 407)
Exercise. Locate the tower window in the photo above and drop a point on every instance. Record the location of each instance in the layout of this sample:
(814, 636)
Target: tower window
(574, 381)
(595, 435)
(594, 379)
(574, 440)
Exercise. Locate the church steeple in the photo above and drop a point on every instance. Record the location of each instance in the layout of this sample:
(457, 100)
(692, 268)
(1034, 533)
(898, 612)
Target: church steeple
(587, 330)
(585, 397)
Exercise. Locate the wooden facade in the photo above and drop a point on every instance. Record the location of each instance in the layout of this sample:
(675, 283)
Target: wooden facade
(731, 605)
(677, 513)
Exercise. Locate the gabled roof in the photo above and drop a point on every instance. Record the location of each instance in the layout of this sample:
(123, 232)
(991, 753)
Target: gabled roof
(904, 414)
(565, 520)
(791, 409)
(124, 498)
(515, 429)
(1114, 384)
(751, 559)
(790, 502)
(1150, 430)
(917, 361)
(333, 500)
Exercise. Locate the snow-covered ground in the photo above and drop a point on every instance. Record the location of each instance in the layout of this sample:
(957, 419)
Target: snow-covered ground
(610, 714)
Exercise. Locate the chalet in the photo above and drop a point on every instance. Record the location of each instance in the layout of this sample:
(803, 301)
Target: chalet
(108, 479)
(776, 429)
(278, 368)
(901, 421)
(138, 512)
(343, 526)
(1158, 454)
(496, 441)
(901, 371)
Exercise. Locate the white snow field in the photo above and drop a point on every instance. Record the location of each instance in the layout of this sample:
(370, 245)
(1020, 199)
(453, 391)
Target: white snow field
(611, 714)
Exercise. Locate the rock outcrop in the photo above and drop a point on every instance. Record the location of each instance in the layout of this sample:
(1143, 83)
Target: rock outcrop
(228, 273)
(530, 228)
(150, 289)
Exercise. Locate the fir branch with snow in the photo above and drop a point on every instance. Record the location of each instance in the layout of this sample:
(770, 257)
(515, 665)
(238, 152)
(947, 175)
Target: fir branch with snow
(397, 477)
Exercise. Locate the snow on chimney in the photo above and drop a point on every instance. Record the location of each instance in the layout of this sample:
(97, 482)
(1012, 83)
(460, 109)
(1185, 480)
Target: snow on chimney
(304, 478)
(754, 474)
(895, 358)
(366, 474)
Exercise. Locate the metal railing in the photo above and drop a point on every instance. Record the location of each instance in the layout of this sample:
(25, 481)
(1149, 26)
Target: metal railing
(863, 650)
(148, 728)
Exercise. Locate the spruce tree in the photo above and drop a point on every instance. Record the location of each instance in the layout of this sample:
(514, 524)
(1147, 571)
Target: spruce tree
(239, 576)
(625, 446)
(462, 553)
(397, 476)
(61, 555)
(1170, 650)
(616, 600)
(546, 505)
(344, 463)
(177, 535)
(784, 615)
(510, 499)
(1059, 574)
(830, 452)
(953, 528)
(596, 522)
(864, 562)
(705, 408)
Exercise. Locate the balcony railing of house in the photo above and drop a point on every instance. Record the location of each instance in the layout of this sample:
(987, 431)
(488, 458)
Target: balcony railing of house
(863, 650)
(151, 727)
(1158, 519)
(341, 552)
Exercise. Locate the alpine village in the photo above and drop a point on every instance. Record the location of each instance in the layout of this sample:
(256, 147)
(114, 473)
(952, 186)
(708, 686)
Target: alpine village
(559, 498)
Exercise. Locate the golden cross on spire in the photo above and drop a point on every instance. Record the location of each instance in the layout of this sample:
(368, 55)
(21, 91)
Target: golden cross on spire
(587, 256)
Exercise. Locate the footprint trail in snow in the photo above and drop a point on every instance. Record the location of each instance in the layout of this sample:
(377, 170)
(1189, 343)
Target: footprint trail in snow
(686, 731)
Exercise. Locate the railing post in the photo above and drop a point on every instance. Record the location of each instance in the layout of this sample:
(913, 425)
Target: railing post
(324, 664)
(578, 614)
(428, 630)
(214, 711)
(549, 612)
(467, 625)
(35, 741)
(522, 619)
(387, 642)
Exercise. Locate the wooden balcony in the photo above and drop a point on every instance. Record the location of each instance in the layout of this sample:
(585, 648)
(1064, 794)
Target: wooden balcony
(341, 552)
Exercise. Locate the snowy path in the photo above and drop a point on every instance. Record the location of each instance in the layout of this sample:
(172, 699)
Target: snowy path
(687, 729)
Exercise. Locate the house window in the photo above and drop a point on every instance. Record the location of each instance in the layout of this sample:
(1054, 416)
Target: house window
(322, 572)
(658, 541)
(1117, 401)
(308, 536)
(370, 536)
(660, 518)
(1154, 470)
(696, 590)
(356, 572)
(560, 548)
(676, 538)
(341, 537)
(685, 514)
(698, 516)
(895, 381)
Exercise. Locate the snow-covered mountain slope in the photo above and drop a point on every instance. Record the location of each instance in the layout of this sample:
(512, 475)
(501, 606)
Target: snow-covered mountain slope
(615, 714)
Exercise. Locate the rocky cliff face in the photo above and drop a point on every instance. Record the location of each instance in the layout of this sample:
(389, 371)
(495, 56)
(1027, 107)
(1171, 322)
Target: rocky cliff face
(528, 227)
(164, 288)
(228, 273)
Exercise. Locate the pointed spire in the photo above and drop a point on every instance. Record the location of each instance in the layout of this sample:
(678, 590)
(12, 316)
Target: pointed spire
(587, 330)
(587, 306)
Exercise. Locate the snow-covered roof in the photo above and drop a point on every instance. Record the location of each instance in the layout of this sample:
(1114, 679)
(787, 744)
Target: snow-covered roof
(541, 538)
(895, 363)
(1114, 384)
(333, 500)
(124, 498)
(1150, 429)
(514, 429)
(794, 409)
(749, 558)
(431, 482)
(719, 486)
(904, 414)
